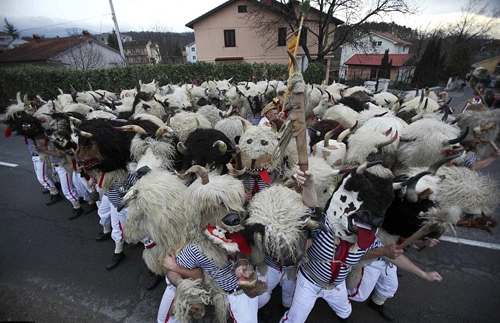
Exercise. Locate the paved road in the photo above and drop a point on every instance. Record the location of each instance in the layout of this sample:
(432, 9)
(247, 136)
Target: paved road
(52, 269)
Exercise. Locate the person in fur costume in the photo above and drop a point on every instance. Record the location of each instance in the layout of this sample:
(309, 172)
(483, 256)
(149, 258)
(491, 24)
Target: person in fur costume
(277, 229)
(19, 118)
(218, 245)
(156, 211)
(351, 217)
(104, 148)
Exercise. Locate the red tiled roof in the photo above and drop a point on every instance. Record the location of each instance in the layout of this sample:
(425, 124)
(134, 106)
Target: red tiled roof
(376, 59)
(40, 50)
(391, 37)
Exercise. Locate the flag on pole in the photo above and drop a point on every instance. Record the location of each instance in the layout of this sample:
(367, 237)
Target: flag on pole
(292, 47)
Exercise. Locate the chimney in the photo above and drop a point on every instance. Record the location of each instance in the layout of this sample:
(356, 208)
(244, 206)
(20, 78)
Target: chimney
(86, 34)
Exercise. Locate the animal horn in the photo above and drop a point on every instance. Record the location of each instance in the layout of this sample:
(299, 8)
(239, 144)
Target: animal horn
(346, 132)
(75, 121)
(329, 135)
(229, 111)
(131, 195)
(421, 113)
(388, 142)
(164, 129)
(235, 173)
(259, 242)
(198, 170)
(85, 134)
(381, 115)
(329, 95)
(433, 168)
(135, 128)
(361, 169)
(221, 145)
(411, 190)
(244, 124)
(181, 148)
(458, 139)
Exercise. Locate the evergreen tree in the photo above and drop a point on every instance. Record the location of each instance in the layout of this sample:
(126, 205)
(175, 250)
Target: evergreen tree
(460, 61)
(113, 40)
(385, 66)
(10, 29)
(428, 68)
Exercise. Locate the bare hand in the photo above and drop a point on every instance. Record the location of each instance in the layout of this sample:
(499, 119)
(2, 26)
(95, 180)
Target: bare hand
(433, 276)
(431, 242)
(169, 262)
(240, 270)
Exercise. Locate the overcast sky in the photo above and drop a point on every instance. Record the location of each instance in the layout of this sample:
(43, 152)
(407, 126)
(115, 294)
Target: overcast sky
(141, 15)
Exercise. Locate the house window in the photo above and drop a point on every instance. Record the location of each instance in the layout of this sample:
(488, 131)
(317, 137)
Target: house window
(373, 74)
(377, 43)
(194, 58)
(303, 37)
(242, 9)
(282, 36)
(229, 38)
(192, 49)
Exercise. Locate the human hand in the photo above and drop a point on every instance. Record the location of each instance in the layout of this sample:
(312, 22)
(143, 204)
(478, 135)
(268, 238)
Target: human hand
(431, 242)
(169, 262)
(433, 276)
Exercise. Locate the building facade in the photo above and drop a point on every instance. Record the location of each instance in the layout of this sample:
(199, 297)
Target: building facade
(141, 52)
(227, 34)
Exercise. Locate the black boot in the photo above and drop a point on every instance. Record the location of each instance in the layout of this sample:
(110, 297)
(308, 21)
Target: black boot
(154, 281)
(115, 261)
(103, 236)
(54, 199)
(92, 207)
(265, 315)
(346, 320)
(382, 310)
(76, 213)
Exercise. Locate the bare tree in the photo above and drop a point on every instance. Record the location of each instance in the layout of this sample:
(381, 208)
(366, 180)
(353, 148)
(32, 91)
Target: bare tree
(170, 44)
(352, 14)
(477, 20)
(84, 57)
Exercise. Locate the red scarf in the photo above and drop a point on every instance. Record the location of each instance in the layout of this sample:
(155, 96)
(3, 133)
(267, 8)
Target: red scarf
(341, 252)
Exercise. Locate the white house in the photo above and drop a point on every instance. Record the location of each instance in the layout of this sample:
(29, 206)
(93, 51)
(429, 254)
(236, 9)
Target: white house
(375, 43)
(191, 52)
(8, 42)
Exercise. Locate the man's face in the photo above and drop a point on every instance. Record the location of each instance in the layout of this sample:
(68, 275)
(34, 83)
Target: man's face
(272, 114)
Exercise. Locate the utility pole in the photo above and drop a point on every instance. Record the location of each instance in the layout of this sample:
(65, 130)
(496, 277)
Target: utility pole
(117, 30)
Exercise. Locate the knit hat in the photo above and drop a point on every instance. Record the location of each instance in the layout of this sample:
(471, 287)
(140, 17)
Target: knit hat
(274, 104)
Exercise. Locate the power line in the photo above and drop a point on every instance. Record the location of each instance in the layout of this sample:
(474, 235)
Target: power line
(65, 23)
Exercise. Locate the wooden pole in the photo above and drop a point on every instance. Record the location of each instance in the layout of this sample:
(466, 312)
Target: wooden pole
(290, 70)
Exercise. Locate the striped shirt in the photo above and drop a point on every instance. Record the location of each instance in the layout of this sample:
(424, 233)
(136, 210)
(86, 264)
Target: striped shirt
(321, 253)
(277, 265)
(470, 158)
(191, 257)
(114, 192)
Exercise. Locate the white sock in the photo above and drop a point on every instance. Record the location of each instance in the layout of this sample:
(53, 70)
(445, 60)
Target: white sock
(118, 247)
(377, 299)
